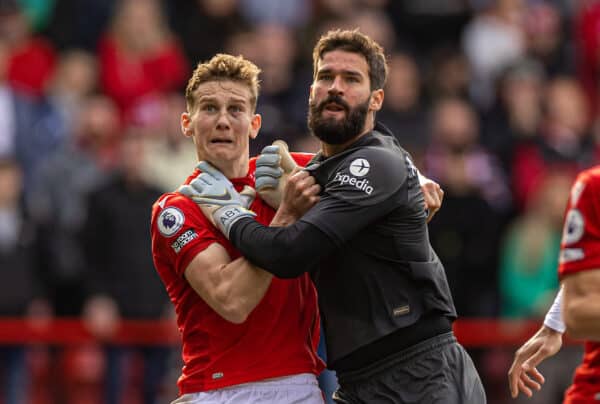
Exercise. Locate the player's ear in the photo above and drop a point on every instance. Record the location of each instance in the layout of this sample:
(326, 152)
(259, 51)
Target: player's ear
(186, 121)
(255, 124)
(376, 100)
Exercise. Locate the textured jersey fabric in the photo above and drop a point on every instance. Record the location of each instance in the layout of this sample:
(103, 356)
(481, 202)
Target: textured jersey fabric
(280, 336)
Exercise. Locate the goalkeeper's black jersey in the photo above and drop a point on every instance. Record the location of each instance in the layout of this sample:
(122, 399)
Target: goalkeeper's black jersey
(376, 271)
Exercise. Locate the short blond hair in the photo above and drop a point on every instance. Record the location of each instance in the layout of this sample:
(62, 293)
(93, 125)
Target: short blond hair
(224, 67)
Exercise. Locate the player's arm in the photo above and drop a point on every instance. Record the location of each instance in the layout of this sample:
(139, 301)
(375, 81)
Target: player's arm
(523, 375)
(231, 288)
(581, 308)
(275, 165)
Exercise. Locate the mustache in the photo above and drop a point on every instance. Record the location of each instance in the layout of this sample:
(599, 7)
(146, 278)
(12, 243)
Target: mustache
(335, 98)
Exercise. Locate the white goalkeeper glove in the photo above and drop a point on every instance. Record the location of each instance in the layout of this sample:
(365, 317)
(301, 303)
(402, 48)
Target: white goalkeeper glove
(217, 198)
(273, 168)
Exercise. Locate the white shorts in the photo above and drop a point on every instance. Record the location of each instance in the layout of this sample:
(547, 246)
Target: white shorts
(297, 389)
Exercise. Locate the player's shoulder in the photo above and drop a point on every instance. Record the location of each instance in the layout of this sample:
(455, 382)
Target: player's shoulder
(590, 176)
(368, 175)
(382, 165)
(586, 186)
(169, 212)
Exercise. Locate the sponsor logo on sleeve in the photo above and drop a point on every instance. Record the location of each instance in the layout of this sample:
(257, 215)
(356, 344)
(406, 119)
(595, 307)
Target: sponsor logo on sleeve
(571, 254)
(362, 184)
(574, 227)
(183, 240)
(170, 221)
(360, 167)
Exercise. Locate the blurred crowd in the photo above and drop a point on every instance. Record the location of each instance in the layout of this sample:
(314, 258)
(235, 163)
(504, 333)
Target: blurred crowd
(497, 100)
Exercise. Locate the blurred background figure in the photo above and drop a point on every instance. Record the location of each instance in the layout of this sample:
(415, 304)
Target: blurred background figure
(23, 290)
(140, 58)
(58, 199)
(564, 138)
(476, 203)
(119, 277)
(404, 110)
(32, 57)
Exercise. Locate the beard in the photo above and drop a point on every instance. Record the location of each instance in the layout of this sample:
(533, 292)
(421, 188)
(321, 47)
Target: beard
(332, 130)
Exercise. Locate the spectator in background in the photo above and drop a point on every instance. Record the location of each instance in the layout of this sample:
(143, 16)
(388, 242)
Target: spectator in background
(218, 20)
(27, 125)
(546, 40)
(448, 74)
(79, 23)
(281, 104)
(476, 200)
(120, 279)
(491, 40)
(564, 138)
(529, 253)
(291, 13)
(403, 111)
(140, 58)
(32, 57)
(58, 198)
(75, 78)
(168, 156)
(15, 110)
(53, 114)
(587, 46)
(516, 115)
(22, 288)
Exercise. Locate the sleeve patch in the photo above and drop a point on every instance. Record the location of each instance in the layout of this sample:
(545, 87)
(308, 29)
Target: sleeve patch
(360, 167)
(183, 240)
(570, 255)
(170, 221)
(574, 227)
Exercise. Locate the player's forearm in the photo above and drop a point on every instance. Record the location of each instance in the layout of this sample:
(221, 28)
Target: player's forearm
(231, 288)
(242, 288)
(286, 252)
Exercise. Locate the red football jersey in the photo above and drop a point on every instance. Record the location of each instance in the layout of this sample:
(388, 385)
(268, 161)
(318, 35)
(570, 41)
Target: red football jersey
(280, 336)
(580, 251)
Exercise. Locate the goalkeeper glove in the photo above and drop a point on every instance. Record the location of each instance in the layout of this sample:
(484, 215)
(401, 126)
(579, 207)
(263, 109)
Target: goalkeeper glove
(273, 168)
(217, 198)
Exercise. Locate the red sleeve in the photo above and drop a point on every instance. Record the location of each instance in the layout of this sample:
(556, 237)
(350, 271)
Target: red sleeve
(302, 159)
(580, 247)
(180, 232)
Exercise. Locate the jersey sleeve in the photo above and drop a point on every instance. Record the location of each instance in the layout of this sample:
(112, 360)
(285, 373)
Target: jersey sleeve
(180, 232)
(367, 185)
(580, 245)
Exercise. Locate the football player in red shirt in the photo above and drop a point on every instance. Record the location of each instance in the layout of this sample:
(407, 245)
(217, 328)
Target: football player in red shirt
(247, 336)
(578, 300)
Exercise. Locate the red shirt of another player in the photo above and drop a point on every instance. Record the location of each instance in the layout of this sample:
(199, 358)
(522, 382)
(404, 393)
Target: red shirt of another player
(580, 251)
(280, 336)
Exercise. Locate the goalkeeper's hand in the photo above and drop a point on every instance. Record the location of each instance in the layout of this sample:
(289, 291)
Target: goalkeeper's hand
(274, 165)
(217, 198)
